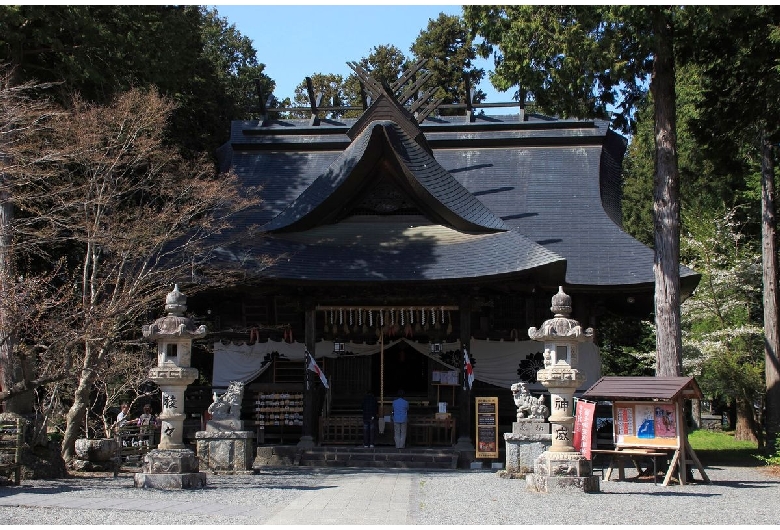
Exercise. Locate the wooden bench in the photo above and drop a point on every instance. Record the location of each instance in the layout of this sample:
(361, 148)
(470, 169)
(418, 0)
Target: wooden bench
(11, 444)
(618, 457)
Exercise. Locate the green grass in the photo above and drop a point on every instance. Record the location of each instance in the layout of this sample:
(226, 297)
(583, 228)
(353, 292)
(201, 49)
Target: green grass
(720, 448)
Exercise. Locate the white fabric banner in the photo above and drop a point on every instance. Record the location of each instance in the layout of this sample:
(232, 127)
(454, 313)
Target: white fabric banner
(496, 362)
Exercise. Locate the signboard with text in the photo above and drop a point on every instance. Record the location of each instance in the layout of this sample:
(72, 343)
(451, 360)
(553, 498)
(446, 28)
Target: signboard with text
(487, 427)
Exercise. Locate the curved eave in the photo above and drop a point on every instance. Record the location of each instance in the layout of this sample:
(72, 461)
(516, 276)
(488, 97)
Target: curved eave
(370, 249)
(430, 185)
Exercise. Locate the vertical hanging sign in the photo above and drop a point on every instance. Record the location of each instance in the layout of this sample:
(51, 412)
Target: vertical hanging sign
(487, 427)
(583, 426)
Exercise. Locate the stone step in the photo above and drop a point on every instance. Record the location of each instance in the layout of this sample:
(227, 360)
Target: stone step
(380, 457)
(365, 457)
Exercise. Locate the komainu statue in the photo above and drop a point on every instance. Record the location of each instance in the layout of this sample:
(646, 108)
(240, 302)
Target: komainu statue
(527, 405)
(226, 409)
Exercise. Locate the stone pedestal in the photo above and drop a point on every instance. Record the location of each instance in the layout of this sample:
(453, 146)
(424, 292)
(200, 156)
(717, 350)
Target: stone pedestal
(562, 472)
(170, 469)
(524, 445)
(225, 452)
(224, 425)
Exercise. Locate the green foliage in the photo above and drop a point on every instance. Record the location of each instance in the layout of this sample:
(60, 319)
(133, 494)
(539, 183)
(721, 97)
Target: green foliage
(573, 61)
(722, 329)
(704, 184)
(774, 459)
(703, 440)
(329, 86)
(188, 53)
(738, 48)
(627, 346)
(386, 64)
(449, 51)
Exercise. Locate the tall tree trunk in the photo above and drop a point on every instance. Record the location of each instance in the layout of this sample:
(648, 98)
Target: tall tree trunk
(769, 258)
(745, 429)
(666, 202)
(76, 415)
(696, 413)
(12, 370)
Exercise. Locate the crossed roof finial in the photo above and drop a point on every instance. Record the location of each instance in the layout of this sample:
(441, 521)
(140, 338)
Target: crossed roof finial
(376, 89)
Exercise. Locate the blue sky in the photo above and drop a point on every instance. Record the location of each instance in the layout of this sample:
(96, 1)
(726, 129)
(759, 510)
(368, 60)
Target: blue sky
(295, 41)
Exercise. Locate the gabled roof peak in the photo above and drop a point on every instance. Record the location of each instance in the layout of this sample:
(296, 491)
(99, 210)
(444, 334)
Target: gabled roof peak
(384, 148)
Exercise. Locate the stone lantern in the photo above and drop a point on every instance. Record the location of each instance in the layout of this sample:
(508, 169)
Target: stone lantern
(172, 465)
(561, 466)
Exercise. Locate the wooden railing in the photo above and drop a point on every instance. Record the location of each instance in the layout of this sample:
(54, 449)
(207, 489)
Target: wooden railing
(421, 431)
(134, 441)
(346, 430)
(11, 444)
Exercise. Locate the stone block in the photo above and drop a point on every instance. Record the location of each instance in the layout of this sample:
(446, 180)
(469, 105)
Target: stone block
(225, 451)
(557, 464)
(170, 461)
(280, 456)
(546, 484)
(521, 455)
(170, 481)
(96, 450)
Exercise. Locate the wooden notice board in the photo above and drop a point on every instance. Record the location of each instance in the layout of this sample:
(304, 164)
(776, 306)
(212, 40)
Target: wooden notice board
(487, 427)
(648, 413)
(647, 424)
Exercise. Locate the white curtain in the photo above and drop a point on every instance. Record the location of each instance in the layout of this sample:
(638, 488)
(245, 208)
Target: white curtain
(496, 361)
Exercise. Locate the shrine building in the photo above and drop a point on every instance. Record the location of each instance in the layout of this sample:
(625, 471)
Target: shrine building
(391, 244)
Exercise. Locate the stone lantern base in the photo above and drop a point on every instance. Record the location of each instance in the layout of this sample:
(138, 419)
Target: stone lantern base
(562, 472)
(170, 469)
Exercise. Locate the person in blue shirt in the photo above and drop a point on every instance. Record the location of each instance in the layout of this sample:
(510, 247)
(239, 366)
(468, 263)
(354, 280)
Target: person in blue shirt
(400, 419)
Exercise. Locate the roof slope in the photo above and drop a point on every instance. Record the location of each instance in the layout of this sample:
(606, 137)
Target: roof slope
(633, 388)
(556, 182)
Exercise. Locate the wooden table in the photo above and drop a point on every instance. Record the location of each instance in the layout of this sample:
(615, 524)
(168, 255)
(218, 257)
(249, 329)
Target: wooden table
(617, 458)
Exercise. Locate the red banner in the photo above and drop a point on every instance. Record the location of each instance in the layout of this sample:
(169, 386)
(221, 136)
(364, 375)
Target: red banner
(583, 426)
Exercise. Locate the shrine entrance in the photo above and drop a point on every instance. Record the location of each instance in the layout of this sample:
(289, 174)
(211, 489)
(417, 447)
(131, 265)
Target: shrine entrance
(404, 368)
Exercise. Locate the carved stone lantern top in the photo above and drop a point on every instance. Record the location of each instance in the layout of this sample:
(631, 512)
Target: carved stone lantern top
(176, 302)
(561, 327)
(174, 324)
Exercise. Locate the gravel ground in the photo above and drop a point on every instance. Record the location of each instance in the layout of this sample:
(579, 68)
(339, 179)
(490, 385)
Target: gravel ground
(737, 495)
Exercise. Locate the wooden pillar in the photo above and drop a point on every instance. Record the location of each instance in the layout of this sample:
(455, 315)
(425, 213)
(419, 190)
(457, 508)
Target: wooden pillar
(464, 398)
(310, 416)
